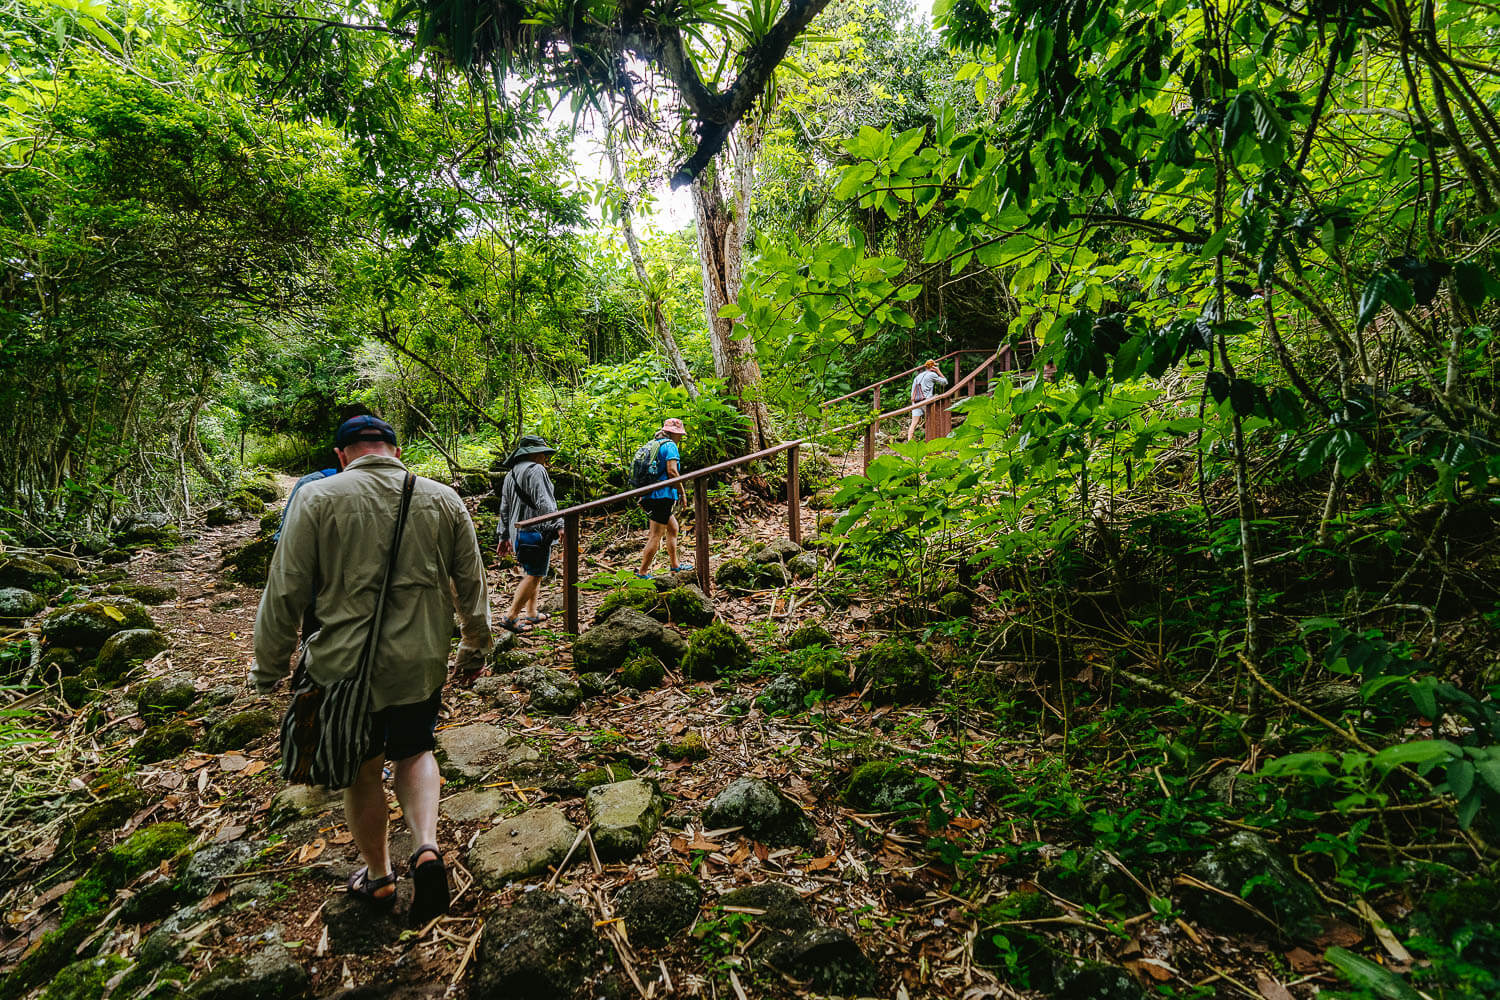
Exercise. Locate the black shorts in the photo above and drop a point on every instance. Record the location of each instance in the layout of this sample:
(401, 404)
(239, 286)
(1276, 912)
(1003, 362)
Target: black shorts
(402, 731)
(658, 509)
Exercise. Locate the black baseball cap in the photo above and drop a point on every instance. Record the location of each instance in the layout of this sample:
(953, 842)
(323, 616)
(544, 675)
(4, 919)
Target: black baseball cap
(364, 428)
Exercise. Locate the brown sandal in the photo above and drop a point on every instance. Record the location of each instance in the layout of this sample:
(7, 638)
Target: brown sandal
(364, 887)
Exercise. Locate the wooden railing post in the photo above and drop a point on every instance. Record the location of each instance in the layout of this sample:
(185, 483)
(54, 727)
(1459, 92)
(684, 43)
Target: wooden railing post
(794, 494)
(700, 535)
(958, 373)
(570, 572)
(869, 444)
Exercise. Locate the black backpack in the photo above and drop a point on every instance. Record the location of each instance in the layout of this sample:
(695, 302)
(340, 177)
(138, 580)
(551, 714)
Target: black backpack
(643, 468)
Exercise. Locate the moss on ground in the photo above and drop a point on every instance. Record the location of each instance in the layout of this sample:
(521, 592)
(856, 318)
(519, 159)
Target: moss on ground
(240, 729)
(642, 672)
(810, 634)
(689, 747)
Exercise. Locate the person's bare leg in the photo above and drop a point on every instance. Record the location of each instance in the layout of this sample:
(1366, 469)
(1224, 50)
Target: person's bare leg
(417, 789)
(534, 592)
(653, 542)
(525, 593)
(911, 428)
(368, 818)
(672, 541)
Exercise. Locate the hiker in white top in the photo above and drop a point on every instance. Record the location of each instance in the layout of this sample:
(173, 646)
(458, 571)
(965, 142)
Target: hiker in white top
(923, 387)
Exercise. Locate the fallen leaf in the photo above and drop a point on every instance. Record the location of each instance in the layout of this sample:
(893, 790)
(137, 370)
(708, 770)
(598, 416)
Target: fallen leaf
(818, 864)
(1302, 960)
(228, 832)
(1336, 933)
(312, 851)
(342, 837)
(701, 843)
(1271, 989)
(680, 845)
(233, 762)
(213, 900)
(1153, 967)
(254, 768)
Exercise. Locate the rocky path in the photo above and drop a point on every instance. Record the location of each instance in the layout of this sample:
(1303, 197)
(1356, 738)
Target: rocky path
(668, 838)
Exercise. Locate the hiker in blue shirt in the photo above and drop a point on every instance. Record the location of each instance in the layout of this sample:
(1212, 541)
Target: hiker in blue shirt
(658, 503)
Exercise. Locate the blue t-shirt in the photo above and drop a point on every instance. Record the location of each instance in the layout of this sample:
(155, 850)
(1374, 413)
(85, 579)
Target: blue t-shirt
(666, 453)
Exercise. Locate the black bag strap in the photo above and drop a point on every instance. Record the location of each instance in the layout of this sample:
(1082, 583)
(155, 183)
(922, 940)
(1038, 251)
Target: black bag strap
(367, 656)
(525, 493)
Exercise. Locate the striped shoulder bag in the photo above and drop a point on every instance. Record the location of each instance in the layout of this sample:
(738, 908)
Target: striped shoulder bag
(326, 734)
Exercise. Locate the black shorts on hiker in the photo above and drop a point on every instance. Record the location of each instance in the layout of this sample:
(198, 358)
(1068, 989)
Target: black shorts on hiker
(402, 731)
(658, 509)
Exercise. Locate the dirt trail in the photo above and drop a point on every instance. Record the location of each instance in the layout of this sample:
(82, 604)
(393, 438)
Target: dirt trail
(875, 884)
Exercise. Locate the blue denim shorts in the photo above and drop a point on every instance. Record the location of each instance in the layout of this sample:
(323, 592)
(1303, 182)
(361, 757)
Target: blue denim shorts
(534, 556)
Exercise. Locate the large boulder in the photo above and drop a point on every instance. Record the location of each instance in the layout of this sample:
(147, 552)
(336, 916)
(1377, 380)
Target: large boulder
(655, 909)
(897, 670)
(625, 634)
(211, 863)
(125, 650)
(552, 691)
(542, 947)
(16, 603)
(476, 805)
(715, 651)
(296, 802)
(250, 564)
(521, 846)
(473, 752)
(1276, 891)
(87, 626)
(625, 815)
(762, 811)
(26, 573)
(883, 786)
(686, 606)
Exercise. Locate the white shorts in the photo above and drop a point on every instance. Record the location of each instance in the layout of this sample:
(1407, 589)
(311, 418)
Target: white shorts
(919, 411)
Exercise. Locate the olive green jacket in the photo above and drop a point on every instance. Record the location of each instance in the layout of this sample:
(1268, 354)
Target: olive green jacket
(333, 549)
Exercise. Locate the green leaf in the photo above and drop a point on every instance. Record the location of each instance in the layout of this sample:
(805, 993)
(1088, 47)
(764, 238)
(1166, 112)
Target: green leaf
(1417, 754)
(1384, 288)
(1365, 974)
(1239, 119)
(1460, 777)
(1468, 279)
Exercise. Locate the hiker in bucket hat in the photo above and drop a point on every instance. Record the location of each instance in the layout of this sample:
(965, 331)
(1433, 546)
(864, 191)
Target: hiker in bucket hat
(527, 493)
(665, 457)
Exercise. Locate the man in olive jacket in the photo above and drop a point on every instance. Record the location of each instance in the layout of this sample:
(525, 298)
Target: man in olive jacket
(333, 550)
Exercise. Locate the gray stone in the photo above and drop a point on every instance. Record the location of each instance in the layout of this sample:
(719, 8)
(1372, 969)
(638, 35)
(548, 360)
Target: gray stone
(357, 928)
(542, 947)
(625, 633)
(776, 551)
(239, 729)
(1278, 893)
(16, 603)
(166, 944)
(87, 626)
(1095, 981)
(269, 973)
(521, 846)
(784, 908)
(477, 806)
(804, 564)
(625, 815)
(762, 811)
(123, 651)
(1331, 696)
(655, 909)
(551, 691)
(299, 802)
(826, 957)
(783, 694)
(210, 864)
(593, 685)
(162, 697)
(474, 752)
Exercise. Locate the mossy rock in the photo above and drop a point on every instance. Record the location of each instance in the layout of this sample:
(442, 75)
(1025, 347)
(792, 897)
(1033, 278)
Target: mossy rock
(827, 673)
(810, 634)
(655, 910)
(239, 730)
(1249, 860)
(81, 689)
(124, 651)
(65, 662)
(270, 523)
(147, 593)
(116, 800)
(955, 604)
(642, 672)
(164, 741)
(162, 697)
(1023, 956)
(86, 979)
(250, 564)
(262, 487)
(1094, 981)
(114, 557)
(715, 651)
(66, 566)
(26, 573)
(898, 671)
(686, 606)
(17, 604)
(736, 574)
(606, 774)
(87, 626)
(689, 747)
(111, 575)
(784, 695)
(883, 786)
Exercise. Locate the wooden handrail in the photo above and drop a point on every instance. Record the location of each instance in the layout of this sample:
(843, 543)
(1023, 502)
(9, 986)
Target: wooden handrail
(901, 375)
(572, 515)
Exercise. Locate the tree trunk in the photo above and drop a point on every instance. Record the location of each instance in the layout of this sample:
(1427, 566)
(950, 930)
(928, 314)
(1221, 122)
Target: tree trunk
(653, 296)
(721, 241)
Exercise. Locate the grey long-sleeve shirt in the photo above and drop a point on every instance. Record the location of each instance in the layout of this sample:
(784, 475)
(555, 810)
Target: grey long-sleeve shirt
(334, 546)
(526, 480)
(923, 385)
